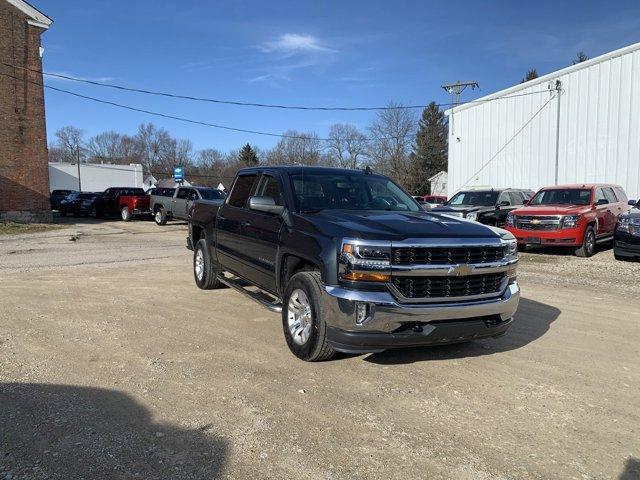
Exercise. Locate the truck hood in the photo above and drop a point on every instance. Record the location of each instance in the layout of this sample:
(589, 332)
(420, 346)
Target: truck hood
(553, 210)
(383, 225)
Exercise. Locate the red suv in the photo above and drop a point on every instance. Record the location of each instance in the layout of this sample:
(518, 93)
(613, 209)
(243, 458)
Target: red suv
(570, 215)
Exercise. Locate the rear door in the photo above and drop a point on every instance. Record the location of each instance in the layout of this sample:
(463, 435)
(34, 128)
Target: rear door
(603, 212)
(232, 245)
(179, 203)
(261, 232)
(109, 199)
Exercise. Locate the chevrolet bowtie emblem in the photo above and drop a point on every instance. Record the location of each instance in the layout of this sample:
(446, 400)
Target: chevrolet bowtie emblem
(535, 221)
(461, 270)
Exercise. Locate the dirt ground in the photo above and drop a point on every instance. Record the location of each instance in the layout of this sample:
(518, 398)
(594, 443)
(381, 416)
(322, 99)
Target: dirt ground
(114, 365)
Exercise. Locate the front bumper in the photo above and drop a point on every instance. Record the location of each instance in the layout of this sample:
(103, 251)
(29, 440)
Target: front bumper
(626, 245)
(391, 324)
(566, 236)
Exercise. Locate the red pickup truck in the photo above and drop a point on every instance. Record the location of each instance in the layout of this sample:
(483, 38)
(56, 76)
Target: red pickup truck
(569, 215)
(126, 202)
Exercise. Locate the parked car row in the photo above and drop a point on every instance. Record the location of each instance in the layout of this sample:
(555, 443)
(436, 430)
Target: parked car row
(578, 216)
(131, 202)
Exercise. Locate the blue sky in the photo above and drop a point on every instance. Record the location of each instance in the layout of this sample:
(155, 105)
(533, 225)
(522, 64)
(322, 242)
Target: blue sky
(349, 53)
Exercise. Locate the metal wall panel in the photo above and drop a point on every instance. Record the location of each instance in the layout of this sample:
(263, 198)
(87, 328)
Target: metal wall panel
(508, 139)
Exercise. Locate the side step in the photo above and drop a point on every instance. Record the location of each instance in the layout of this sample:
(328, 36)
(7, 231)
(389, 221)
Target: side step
(262, 298)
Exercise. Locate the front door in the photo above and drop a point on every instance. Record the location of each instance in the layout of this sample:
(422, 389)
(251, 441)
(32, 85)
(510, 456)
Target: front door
(603, 212)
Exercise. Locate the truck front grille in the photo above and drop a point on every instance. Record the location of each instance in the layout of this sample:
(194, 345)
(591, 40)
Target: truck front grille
(537, 223)
(444, 287)
(445, 255)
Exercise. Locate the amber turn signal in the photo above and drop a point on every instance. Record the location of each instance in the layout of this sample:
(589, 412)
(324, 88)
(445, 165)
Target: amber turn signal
(366, 277)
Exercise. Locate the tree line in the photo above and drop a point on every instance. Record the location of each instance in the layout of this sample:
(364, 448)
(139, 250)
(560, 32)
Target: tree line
(532, 73)
(396, 143)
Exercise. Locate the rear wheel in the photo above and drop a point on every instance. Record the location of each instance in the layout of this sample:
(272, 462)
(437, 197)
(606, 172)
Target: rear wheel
(125, 214)
(588, 248)
(95, 213)
(302, 318)
(205, 272)
(160, 217)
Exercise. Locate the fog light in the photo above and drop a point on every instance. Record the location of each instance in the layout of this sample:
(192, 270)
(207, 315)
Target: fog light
(363, 312)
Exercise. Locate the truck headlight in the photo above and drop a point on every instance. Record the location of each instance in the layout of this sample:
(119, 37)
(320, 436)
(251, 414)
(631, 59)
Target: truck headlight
(570, 221)
(629, 225)
(365, 261)
(472, 216)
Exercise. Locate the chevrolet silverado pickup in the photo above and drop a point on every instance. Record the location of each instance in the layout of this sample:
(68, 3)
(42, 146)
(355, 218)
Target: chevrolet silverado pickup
(352, 262)
(174, 204)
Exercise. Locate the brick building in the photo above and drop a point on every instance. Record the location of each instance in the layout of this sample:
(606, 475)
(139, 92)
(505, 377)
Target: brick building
(24, 172)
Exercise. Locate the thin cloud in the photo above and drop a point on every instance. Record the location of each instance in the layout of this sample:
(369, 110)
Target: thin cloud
(292, 43)
(79, 77)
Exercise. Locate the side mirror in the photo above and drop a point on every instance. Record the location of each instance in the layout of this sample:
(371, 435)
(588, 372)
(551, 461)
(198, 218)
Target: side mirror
(602, 201)
(266, 205)
(633, 203)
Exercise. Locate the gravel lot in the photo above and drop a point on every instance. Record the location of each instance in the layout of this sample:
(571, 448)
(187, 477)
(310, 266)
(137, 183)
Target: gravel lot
(114, 365)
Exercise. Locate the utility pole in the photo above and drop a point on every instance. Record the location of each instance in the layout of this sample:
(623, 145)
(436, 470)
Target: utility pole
(455, 90)
(78, 161)
(558, 88)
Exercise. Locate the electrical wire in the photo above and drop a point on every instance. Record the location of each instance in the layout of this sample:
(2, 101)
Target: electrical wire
(259, 105)
(197, 122)
(495, 155)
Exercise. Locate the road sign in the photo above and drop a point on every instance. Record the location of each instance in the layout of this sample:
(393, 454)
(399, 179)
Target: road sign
(178, 174)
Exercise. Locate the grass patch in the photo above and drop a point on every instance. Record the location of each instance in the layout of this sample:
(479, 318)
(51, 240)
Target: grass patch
(13, 228)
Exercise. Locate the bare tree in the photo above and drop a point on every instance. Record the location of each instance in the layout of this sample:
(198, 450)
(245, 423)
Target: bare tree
(296, 147)
(346, 145)
(392, 134)
(113, 147)
(69, 143)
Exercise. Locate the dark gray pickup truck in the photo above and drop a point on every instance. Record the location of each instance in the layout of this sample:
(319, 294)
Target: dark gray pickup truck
(352, 261)
(174, 204)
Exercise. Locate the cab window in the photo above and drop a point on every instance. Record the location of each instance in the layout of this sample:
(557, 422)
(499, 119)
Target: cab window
(505, 197)
(183, 193)
(600, 196)
(269, 187)
(241, 190)
(609, 195)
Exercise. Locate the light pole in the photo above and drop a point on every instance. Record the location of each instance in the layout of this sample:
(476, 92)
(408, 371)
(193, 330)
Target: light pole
(78, 161)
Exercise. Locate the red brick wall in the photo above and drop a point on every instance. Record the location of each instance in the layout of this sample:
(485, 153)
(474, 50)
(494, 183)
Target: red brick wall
(24, 170)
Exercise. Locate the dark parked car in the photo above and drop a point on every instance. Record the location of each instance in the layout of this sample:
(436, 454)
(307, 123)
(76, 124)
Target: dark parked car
(352, 262)
(490, 206)
(626, 238)
(77, 203)
(57, 196)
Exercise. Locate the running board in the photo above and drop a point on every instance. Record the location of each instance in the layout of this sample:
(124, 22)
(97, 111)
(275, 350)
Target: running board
(604, 239)
(259, 296)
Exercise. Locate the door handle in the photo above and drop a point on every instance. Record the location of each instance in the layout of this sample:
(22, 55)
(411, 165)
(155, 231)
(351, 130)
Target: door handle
(245, 224)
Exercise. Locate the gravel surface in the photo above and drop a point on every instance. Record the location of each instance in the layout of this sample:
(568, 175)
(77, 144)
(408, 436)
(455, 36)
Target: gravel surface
(114, 365)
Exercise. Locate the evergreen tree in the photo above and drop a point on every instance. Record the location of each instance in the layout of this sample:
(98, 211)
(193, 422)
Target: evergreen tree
(531, 74)
(580, 57)
(430, 149)
(248, 156)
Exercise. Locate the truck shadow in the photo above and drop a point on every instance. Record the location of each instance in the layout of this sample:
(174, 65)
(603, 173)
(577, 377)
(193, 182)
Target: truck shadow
(67, 432)
(631, 469)
(532, 321)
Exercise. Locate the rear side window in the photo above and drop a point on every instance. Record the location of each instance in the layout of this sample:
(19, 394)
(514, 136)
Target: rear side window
(183, 193)
(609, 195)
(269, 187)
(622, 197)
(241, 190)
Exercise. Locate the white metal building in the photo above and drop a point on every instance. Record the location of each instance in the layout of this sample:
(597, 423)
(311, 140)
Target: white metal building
(533, 135)
(94, 177)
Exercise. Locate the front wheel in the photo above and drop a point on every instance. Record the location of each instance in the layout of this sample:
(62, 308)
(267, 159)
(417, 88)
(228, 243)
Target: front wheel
(303, 323)
(204, 271)
(588, 248)
(125, 214)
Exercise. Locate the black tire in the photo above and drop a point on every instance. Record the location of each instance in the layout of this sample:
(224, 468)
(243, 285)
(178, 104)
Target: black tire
(95, 213)
(588, 248)
(159, 216)
(316, 348)
(522, 247)
(125, 214)
(208, 278)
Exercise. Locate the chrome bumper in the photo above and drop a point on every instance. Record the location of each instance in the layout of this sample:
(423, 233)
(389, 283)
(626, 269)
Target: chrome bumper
(387, 314)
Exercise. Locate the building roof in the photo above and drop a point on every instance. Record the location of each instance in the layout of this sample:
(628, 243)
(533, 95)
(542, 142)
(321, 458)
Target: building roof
(437, 175)
(38, 18)
(546, 78)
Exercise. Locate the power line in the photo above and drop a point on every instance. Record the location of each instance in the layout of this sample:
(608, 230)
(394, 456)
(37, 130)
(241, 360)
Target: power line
(250, 104)
(495, 155)
(198, 122)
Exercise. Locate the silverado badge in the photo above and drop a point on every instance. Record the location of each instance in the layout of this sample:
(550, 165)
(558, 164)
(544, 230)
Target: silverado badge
(461, 270)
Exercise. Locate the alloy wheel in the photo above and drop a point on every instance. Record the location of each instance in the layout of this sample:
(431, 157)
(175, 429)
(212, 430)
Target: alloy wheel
(299, 317)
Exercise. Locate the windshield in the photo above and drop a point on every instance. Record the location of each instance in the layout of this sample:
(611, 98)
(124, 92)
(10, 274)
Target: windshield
(475, 199)
(316, 191)
(563, 196)
(211, 194)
